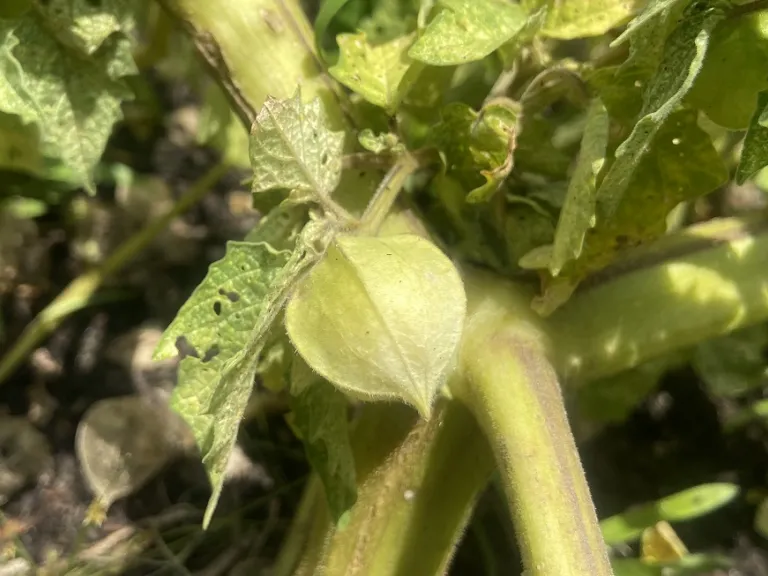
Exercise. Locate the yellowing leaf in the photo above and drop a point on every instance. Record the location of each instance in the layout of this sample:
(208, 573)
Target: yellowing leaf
(660, 543)
(377, 73)
(467, 30)
(568, 19)
(380, 318)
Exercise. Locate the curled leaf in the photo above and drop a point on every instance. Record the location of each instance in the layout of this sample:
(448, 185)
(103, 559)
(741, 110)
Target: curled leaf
(380, 318)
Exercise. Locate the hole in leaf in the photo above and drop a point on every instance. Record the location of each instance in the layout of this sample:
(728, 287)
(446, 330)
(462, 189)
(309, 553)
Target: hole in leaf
(231, 296)
(217, 308)
(185, 349)
(211, 353)
(324, 159)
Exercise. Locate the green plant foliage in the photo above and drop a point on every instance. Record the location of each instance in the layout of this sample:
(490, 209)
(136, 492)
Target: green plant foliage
(467, 30)
(678, 507)
(583, 18)
(734, 364)
(648, 18)
(292, 149)
(754, 155)
(48, 81)
(377, 73)
(380, 318)
(737, 58)
(478, 147)
(320, 415)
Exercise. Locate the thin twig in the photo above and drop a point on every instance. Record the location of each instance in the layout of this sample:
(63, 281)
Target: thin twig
(82, 289)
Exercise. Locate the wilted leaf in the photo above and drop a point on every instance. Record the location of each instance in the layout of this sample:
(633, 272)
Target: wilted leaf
(578, 212)
(682, 60)
(754, 155)
(734, 364)
(293, 149)
(380, 318)
(568, 19)
(377, 73)
(320, 414)
(122, 442)
(678, 507)
(660, 543)
(378, 143)
(73, 100)
(467, 30)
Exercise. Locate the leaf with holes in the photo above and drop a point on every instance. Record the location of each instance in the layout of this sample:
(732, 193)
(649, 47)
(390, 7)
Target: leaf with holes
(292, 149)
(73, 101)
(467, 30)
(378, 73)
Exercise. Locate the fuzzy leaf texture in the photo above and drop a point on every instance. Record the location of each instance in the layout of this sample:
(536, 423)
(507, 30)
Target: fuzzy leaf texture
(754, 154)
(568, 19)
(293, 149)
(320, 415)
(380, 318)
(467, 30)
(683, 57)
(377, 73)
(62, 67)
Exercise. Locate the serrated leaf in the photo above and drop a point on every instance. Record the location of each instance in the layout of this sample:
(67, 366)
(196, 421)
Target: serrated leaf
(754, 154)
(682, 60)
(567, 19)
(726, 89)
(320, 415)
(74, 101)
(467, 30)
(733, 364)
(380, 318)
(685, 505)
(478, 146)
(578, 212)
(293, 149)
(377, 73)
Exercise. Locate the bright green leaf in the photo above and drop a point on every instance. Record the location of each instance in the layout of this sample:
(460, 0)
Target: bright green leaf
(74, 101)
(754, 154)
(734, 364)
(320, 415)
(377, 73)
(578, 213)
(380, 318)
(567, 19)
(467, 30)
(293, 149)
(734, 71)
(685, 505)
(683, 57)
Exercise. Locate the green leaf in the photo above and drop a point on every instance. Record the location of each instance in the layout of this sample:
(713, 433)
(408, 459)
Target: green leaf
(320, 415)
(685, 505)
(380, 318)
(726, 89)
(293, 149)
(754, 154)
(567, 19)
(578, 212)
(648, 18)
(761, 518)
(683, 57)
(19, 145)
(74, 101)
(378, 143)
(467, 30)
(734, 364)
(478, 147)
(377, 73)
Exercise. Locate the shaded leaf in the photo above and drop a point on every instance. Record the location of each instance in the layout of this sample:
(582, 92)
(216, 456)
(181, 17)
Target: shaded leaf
(761, 519)
(754, 154)
(647, 18)
(24, 455)
(467, 30)
(568, 19)
(682, 60)
(578, 212)
(320, 415)
(377, 73)
(293, 149)
(685, 505)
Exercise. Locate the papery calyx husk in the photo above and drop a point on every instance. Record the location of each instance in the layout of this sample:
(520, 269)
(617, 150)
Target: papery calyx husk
(381, 318)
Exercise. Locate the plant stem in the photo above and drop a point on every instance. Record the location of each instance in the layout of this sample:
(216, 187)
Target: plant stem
(511, 388)
(387, 192)
(81, 290)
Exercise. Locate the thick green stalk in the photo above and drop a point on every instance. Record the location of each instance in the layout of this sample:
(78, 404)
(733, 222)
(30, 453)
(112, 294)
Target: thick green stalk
(509, 384)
